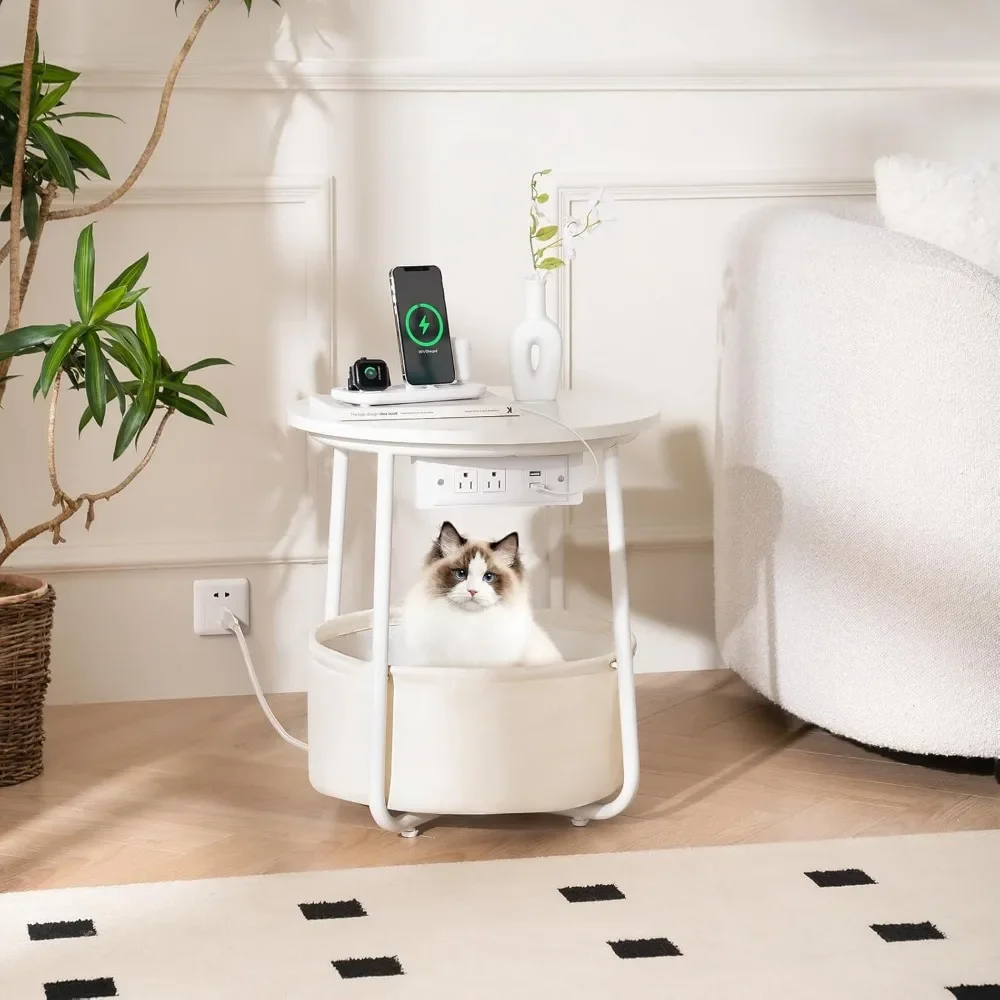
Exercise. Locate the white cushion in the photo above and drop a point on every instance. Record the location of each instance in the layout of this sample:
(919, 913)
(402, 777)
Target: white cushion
(956, 206)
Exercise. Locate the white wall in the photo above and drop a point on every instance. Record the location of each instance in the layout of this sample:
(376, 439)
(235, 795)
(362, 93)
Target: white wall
(431, 115)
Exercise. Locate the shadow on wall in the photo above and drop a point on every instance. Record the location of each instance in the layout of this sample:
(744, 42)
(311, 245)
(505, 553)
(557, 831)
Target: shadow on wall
(670, 582)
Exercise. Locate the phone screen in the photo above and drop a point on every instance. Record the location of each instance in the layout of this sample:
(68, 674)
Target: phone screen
(422, 325)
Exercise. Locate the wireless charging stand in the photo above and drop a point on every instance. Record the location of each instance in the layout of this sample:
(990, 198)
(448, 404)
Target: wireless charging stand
(396, 395)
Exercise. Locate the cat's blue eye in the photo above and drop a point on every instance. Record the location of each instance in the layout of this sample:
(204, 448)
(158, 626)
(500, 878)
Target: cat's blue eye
(489, 577)
(460, 574)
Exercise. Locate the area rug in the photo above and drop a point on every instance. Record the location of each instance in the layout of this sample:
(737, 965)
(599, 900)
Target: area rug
(914, 918)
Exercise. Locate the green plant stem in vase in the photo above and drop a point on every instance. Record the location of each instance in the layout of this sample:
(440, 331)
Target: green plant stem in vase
(536, 347)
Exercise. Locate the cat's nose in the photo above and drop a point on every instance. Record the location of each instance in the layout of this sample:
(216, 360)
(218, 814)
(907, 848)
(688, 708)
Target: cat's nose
(472, 593)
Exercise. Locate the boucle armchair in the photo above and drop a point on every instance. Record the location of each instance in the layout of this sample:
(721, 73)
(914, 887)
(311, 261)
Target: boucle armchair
(857, 494)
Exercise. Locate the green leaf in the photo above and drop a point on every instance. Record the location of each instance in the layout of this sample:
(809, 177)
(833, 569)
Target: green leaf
(188, 408)
(542, 198)
(131, 274)
(145, 332)
(534, 225)
(131, 423)
(125, 337)
(26, 338)
(550, 263)
(547, 170)
(43, 72)
(199, 393)
(109, 302)
(29, 205)
(51, 99)
(63, 115)
(133, 297)
(204, 363)
(55, 356)
(59, 161)
(83, 273)
(116, 387)
(84, 420)
(123, 357)
(546, 233)
(84, 156)
(97, 382)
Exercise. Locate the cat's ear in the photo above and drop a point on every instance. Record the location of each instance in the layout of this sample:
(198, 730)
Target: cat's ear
(449, 542)
(505, 550)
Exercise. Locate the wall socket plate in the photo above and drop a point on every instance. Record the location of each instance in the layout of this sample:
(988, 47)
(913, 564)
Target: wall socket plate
(212, 597)
(511, 482)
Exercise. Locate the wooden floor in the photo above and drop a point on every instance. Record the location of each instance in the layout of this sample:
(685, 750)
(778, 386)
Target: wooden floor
(188, 789)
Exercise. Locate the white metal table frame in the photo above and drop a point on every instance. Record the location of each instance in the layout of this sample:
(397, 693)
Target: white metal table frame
(607, 449)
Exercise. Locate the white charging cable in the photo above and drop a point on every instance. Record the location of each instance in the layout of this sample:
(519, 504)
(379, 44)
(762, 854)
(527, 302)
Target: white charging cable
(597, 467)
(231, 622)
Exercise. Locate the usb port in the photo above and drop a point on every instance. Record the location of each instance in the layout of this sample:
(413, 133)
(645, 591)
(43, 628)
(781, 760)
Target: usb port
(535, 474)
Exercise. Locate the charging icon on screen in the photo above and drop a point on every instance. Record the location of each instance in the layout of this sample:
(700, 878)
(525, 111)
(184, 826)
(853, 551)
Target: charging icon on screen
(425, 318)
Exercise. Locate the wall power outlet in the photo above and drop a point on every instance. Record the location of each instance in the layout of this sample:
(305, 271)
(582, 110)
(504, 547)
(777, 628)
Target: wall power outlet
(212, 597)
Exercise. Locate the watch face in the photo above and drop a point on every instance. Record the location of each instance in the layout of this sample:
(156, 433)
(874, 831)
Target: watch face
(369, 375)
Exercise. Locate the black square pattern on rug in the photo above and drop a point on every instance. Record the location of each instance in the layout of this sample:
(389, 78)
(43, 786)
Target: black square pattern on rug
(908, 932)
(368, 968)
(59, 929)
(644, 948)
(333, 911)
(985, 992)
(591, 893)
(841, 876)
(80, 989)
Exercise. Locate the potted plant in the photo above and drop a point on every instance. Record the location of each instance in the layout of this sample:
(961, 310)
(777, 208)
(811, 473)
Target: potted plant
(107, 351)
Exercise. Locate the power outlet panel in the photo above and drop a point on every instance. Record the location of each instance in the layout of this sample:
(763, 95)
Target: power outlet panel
(212, 597)
(513, 482)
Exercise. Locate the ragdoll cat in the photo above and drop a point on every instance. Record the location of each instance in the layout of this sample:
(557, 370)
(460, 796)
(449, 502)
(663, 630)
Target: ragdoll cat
(471, 607)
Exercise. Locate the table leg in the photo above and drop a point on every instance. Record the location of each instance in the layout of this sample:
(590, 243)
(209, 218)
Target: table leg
(406, 824)
(335, 544)
(623, 648)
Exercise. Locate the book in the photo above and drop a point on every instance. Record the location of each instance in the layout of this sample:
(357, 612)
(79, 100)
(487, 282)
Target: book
(488, 405)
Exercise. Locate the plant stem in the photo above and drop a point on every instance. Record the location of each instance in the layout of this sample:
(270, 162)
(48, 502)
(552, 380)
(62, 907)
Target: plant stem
(17, 183)
(6, 533)
(17, 174)
(558, 242)
(49, 193)
(70, 505)
(154, 139)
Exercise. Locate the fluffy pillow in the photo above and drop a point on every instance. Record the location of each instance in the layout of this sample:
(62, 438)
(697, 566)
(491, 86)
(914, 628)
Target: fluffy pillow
(956, 206)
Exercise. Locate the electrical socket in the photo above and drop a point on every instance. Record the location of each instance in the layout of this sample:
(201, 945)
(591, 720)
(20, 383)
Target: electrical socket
(466, 480)
(494, 480)
(517, 482)
(212, 597)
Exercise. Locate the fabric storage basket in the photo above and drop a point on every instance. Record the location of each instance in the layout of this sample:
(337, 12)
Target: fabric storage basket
(469, 740)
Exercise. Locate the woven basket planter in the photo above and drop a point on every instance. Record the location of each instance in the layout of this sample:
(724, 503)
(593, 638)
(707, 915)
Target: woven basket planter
(26, 606)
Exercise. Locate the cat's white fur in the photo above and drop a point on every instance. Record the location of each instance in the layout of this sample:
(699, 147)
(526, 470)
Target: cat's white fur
(471, 625)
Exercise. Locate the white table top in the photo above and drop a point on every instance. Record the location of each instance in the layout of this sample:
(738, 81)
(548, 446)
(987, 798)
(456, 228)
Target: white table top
(598, 416)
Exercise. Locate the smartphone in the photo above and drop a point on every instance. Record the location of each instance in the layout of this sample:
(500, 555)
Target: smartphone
(422, 325)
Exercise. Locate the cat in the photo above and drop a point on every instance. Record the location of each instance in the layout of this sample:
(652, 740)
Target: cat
(471, 607)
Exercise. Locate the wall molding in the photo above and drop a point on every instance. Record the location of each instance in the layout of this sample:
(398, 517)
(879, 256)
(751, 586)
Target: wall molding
(315, 191)
(514, 76)
(72, 558)
(568, 191)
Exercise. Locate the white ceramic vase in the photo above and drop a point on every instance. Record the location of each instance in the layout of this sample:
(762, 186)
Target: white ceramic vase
(535, 379)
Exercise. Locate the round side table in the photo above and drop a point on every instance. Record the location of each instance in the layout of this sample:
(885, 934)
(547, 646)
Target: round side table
(605, 420)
